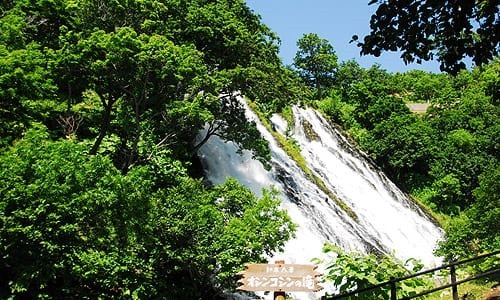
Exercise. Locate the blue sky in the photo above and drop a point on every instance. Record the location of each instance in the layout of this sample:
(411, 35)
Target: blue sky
(334, 20)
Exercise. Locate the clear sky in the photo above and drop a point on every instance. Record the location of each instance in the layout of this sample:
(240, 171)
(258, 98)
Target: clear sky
(334, 20)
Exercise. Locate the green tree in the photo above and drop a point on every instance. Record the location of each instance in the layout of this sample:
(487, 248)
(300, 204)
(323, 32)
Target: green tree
(476, 230)
(348, 74)
(70, 222)
(73, 225)
(373, 97)
(403, 145)
(118, 71)
(422, 30)
(144, 79)
(203, 238)
(420, 86)
(27, 90)
(44, 20)
(340, 112)
(316, 61)
(448, 195)
(465, 123)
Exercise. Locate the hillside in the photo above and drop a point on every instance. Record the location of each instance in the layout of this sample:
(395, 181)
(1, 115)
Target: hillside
(101, 103)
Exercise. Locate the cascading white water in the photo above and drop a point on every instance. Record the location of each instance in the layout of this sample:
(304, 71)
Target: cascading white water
(387, 220)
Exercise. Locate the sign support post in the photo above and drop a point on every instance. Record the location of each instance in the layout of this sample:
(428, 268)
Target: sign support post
(279, 295)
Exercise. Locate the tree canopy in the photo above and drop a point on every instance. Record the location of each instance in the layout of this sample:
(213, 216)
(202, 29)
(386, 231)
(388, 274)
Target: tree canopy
(74, 226)
(316, 61)
(451, 31)
(117, 66)
(101, 103)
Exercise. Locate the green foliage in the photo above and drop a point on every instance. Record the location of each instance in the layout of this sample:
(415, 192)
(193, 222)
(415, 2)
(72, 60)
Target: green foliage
(316, 61)
(450, 31)
(466, 129)
(282, 87)
(340, 112)
(249, 137)
(420, 86)
(447, 199)
(148, 62)
(204, 237)
(476, 230)
(252, 227)
(73, 224)
(113, 75)
(348, 73)
(349, 271)
(402, 144)
(26, 90)
(44, 20)
(12, 26)
(373, 97)
(131, 83)
(70, 222)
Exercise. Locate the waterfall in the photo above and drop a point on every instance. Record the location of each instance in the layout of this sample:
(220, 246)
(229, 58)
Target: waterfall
(387, 220)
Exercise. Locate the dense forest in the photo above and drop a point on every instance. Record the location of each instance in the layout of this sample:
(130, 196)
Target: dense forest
(101, 105)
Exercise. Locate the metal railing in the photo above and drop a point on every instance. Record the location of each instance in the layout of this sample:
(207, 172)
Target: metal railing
(453, 280)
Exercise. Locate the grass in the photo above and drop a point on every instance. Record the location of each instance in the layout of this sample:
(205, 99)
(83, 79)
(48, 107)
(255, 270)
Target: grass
(437, 218)
(470, 290)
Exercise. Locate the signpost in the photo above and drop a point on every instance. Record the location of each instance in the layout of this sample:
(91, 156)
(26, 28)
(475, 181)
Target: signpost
(280, 278)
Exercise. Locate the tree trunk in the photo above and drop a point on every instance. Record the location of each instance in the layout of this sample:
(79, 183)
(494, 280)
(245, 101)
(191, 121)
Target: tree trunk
(106, 119)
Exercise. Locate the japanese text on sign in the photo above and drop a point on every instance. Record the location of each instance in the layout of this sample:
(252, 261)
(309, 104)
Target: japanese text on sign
(305, 282)
(279, 277)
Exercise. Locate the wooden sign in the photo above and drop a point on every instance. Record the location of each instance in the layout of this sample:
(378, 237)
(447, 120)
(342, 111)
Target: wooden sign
(279, 277)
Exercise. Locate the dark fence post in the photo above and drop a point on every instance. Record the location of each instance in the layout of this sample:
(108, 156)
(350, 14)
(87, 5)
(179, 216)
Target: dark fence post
(453, 277)
(393, 288)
